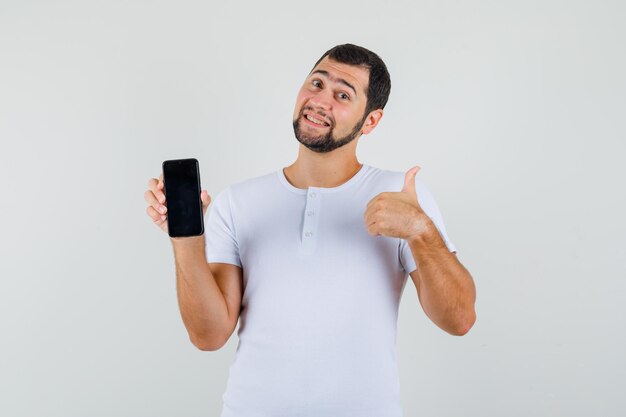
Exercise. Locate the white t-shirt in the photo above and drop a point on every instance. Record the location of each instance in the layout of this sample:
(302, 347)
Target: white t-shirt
(317, 330)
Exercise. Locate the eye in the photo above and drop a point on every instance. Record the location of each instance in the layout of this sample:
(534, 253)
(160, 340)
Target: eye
(316, 83)
(344, 96)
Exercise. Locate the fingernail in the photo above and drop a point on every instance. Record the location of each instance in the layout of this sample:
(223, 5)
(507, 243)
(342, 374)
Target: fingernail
(162, 209)
(162, 217)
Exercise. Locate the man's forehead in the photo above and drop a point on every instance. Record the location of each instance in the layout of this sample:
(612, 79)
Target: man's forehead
(354, 74)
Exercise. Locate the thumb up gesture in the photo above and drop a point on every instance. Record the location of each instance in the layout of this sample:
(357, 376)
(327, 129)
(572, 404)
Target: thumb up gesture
(397, 214)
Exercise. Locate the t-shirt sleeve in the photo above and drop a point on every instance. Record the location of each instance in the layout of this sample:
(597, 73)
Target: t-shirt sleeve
(220, 236)
(430, 207)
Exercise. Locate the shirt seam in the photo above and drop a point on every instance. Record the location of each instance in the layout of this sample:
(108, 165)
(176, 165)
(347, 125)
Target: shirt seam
(232, 221)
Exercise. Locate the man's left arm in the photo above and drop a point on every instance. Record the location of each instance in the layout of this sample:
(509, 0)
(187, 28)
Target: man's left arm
(444, 286)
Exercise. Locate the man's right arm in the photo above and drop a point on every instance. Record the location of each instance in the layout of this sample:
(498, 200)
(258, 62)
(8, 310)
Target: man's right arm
(209, 316)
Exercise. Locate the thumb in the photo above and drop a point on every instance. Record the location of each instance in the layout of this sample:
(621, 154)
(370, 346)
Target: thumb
(206, 200)
(409, 181)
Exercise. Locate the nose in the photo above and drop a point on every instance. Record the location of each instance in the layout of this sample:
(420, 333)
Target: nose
(322, 99)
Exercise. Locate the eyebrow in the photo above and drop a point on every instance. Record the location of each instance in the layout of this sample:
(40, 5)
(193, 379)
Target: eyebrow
(340, 80)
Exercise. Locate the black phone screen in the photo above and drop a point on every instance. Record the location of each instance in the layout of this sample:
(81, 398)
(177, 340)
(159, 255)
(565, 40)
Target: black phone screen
(181, 178)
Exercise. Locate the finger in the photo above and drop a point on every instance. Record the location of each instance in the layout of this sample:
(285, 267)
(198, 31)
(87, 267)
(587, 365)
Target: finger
(156, 186)
(370, 218)
(161, 193)
(152, 200)
(409, 180)
(155, 216)
(371, 229)
(206, 200)
(372, 201)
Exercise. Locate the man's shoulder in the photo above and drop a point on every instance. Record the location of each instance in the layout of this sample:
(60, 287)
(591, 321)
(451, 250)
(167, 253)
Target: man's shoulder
(393, 179)
(390, 177)
(252, 186)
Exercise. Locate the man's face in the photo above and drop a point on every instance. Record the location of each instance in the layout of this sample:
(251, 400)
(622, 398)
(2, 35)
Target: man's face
(334, 95)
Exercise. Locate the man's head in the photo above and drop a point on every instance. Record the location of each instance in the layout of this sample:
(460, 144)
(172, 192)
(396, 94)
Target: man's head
(346, 91)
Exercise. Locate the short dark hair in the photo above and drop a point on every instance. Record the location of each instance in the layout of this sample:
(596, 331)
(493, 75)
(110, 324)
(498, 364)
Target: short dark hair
(379, 83)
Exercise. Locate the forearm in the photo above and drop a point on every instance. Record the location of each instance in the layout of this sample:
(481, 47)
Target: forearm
(202, 305)
(447, 290)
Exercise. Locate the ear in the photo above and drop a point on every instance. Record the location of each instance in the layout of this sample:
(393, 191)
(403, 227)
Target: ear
(372, 121)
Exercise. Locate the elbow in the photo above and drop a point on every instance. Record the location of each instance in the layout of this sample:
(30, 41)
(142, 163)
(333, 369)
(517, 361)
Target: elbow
(468, 323)
(207, 345)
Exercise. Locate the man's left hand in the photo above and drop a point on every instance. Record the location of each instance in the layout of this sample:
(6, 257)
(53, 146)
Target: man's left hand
(397, 214)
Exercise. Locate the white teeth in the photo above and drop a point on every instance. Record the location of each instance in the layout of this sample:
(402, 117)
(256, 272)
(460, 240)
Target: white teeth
(319, 122)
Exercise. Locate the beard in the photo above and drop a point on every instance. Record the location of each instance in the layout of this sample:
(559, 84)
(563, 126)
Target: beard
(325, 142)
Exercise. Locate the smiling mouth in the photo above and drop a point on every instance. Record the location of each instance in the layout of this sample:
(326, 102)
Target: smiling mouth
(315, 122)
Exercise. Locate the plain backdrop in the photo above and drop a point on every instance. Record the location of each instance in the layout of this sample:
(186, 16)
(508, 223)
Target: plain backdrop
(514, 110)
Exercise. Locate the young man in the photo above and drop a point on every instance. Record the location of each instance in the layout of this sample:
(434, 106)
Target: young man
(313, 259)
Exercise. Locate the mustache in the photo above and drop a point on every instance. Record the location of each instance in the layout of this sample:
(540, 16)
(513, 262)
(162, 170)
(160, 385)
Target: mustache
(330, 120)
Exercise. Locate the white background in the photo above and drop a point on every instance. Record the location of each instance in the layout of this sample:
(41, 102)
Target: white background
(514, 110)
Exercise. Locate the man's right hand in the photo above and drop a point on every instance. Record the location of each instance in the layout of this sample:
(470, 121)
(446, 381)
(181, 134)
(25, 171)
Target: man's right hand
(157, 206)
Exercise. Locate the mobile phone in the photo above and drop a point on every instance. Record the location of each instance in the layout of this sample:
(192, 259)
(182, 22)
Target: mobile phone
(181, 178)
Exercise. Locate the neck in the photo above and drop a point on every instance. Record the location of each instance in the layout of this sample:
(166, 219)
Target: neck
(323, 172)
